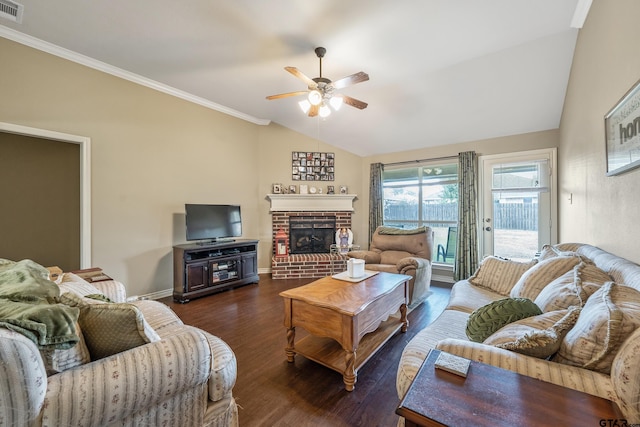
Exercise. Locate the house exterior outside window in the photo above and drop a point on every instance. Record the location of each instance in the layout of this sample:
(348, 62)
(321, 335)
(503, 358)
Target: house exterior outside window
(424, 195)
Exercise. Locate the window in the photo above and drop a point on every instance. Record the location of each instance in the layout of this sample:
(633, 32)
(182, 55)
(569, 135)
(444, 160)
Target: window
(421, 195)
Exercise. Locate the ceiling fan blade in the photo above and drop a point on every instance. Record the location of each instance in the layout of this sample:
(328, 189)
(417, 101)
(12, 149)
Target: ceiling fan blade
(351, 80)
(285, 95)
(299, 74)
(313, 111)
(354, 102)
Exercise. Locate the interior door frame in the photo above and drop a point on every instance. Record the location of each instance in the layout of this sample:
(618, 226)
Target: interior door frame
(552, 154)
(85, 178)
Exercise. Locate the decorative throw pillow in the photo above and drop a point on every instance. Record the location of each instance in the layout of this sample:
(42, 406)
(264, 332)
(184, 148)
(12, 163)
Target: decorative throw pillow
(111, 328)
(547, 252)
(70, 282)
(56, 361)
(610, 315)
(572, 288)
(499, 274)
(537, 336)
(540, 275)
(487, 319)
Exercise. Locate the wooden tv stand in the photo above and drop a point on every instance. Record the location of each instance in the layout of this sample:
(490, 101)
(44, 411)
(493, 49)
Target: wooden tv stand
(203, 269)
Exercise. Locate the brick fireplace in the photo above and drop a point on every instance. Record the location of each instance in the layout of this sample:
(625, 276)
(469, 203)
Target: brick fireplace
(311, 208)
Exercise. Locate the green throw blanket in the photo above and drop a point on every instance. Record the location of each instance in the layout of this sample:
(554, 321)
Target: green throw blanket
(28, 305)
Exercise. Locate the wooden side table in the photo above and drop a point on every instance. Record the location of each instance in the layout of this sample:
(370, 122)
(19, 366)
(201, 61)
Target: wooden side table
(491, 396)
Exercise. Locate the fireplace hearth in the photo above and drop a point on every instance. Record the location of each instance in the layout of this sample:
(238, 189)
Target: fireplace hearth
(308, 265)
(310, 235)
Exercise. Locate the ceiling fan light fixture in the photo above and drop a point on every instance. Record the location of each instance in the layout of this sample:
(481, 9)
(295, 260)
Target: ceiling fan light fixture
(324, 110)
(336, 102)
(320, 99)
(315, 97)
(305, 106)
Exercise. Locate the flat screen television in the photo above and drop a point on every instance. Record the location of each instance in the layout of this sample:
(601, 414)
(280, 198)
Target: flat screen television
(213, 222)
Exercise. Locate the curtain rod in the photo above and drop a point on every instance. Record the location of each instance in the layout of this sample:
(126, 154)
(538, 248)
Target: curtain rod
(406, 162)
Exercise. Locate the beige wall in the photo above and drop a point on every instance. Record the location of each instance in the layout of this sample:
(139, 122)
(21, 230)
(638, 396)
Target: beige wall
(275, 146)
(604, 210)
(151, 153)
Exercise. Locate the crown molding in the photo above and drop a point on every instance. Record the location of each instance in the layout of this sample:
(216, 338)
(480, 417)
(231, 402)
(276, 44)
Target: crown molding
(78, 58)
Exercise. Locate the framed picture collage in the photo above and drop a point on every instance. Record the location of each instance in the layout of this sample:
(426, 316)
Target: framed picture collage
(312, 166)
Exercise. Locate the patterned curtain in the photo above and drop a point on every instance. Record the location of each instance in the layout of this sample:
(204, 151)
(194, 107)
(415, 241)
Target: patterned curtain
(375, 197)
(467, 244)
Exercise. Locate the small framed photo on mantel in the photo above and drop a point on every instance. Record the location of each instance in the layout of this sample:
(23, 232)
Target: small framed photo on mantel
(343, 189)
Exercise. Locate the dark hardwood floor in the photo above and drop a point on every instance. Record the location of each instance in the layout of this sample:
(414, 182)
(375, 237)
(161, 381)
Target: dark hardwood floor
(272, 392)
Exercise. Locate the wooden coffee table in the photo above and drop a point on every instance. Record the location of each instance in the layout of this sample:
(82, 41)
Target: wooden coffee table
(491, 396)
(347, 322)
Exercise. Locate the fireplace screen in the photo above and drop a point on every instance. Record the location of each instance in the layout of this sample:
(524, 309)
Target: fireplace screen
(309, 235)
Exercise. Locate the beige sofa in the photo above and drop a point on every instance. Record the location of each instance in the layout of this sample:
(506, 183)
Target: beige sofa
(183, 377)
(402, 251)
(587, 337)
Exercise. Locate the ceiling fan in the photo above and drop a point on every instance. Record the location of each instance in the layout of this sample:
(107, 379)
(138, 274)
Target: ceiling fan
(321, 91)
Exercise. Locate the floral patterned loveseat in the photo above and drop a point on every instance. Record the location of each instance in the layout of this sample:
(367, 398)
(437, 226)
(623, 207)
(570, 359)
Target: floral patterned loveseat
(133, 363)
(587, 336)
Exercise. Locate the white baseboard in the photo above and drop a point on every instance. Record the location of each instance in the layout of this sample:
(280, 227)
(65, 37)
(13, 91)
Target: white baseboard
(441, 278)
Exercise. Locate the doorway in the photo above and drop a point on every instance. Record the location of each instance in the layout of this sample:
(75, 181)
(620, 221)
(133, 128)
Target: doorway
(28, 228)
(518, 203)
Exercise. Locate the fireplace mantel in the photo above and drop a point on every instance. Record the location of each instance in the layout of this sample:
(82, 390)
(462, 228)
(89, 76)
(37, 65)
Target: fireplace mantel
(311, 202)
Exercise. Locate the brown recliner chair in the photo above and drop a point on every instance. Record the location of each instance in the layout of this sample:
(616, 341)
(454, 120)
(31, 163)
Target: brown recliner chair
(397, 250)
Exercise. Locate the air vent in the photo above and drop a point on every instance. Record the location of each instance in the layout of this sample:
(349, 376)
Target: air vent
(11, 10)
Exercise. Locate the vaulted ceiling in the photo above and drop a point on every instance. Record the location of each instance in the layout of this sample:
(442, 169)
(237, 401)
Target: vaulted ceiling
(441, 71)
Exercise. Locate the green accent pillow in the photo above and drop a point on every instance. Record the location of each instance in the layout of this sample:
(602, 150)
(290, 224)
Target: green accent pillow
(400, 231)
(487, 319)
